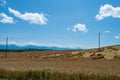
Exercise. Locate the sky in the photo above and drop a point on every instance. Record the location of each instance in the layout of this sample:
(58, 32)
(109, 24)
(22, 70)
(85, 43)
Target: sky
(61, 23)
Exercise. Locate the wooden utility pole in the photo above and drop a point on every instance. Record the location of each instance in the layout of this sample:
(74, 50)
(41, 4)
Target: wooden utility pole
(6, 47)
(99, 41)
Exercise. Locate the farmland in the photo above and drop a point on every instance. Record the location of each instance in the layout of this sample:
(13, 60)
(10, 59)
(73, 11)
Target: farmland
(73, 61)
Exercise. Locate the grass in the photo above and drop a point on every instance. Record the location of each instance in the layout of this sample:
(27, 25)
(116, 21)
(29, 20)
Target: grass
(111, 52)
(51, 75)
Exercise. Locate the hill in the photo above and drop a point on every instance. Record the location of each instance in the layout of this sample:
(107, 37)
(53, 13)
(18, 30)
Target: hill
(108, 52)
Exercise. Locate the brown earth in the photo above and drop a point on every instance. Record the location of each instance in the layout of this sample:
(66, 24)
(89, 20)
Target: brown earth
(63, 61)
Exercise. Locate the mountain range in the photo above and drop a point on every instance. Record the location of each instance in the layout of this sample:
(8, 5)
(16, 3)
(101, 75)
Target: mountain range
(33, 47)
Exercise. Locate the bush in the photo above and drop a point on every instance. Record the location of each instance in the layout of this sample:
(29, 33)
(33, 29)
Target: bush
(117, 57)
(97, 56)
(115, 49)
(100, 56)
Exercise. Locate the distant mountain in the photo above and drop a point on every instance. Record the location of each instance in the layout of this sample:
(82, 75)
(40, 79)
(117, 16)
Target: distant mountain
(10, 47)
(33, 47)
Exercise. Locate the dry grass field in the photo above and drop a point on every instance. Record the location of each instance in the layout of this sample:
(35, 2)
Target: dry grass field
(84, 61)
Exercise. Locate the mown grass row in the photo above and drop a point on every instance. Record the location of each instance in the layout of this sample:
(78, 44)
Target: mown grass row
(51, 75)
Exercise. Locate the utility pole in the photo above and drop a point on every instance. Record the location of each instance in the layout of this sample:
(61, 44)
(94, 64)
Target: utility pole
(6, 47)
(99, 41)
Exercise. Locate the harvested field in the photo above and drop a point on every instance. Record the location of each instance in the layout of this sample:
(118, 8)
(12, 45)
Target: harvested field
(61, 61)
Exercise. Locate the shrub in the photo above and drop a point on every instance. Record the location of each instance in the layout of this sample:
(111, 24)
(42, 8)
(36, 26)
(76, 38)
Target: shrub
(100, 56)
(117, 57)
(115, 49)
(97, 56)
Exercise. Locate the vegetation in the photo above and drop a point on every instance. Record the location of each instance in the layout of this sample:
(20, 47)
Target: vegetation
(50, 75)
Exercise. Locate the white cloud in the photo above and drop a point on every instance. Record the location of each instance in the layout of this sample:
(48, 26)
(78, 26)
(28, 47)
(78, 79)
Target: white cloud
(3, 2)
(79, 27)
(6, 19)
(108, 10)
(118, 36)
(107, 31)
(36, 18)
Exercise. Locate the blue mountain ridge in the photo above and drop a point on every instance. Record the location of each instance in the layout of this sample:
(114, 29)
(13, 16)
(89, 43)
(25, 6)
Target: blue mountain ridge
(15, 47)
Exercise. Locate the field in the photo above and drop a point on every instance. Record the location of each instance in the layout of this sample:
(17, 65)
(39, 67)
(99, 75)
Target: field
(74, 61)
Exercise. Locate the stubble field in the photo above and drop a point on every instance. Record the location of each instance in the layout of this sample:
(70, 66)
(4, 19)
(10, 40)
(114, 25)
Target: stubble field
(61, 61)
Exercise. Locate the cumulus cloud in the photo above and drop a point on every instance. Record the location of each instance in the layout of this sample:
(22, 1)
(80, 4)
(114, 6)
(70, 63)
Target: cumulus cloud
(79, 27)
(118, 36)
(3, 2)
(6, 19)
(35, 18)
(108, 10)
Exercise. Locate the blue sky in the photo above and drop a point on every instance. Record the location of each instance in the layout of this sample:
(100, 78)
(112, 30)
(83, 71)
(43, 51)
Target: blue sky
(62, 23)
